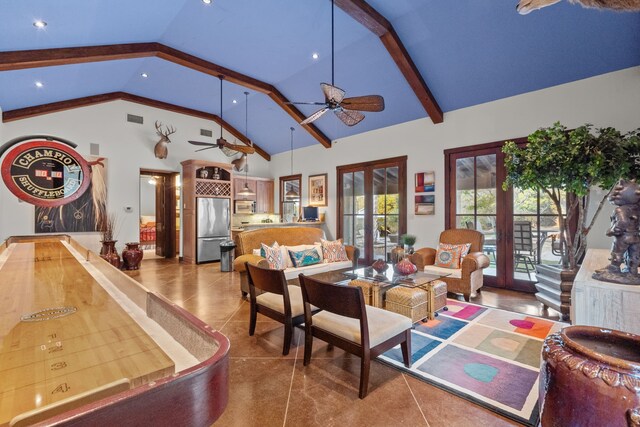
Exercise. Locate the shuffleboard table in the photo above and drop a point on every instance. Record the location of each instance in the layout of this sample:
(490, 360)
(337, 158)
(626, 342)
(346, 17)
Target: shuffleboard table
(81, 343)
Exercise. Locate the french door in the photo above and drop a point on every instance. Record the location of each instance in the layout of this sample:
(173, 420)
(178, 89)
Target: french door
(519, 225)
(372, 206)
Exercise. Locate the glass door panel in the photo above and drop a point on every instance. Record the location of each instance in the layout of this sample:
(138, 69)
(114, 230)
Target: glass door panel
(353, 215)
(385, 211)
(372, 206)
(535, 230)
(476, 201)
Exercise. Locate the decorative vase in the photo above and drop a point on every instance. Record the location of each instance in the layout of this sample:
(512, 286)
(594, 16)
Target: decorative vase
(590, 376)
(380, 266)
(405, 267)
(397, 254)
(132, 256)
(109, 253)
(409, 250)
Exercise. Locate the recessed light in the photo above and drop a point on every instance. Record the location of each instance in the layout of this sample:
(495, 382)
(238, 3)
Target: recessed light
(144, 75)
(206, 1)
(235, 101)
(39, 24)
(315, 55)
(39, 84)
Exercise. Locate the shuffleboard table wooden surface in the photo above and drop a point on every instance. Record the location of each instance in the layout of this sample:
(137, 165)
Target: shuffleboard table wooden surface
(81, 343)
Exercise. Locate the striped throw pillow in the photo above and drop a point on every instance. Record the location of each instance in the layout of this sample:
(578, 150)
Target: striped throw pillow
(273, 255)
(333, 251)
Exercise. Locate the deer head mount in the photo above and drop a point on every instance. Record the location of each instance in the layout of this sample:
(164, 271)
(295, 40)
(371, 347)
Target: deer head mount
(526, 6)
(161, 150)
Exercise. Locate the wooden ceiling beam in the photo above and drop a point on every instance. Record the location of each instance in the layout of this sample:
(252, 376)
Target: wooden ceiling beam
(371, 19)
(54, 107)
(18, 60)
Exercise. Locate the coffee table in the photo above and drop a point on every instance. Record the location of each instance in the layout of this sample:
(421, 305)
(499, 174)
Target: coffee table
(382, 282)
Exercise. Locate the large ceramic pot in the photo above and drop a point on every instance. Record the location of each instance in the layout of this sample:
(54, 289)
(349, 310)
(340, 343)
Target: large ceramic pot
(109, 253)
(132, 256)
(590, 377)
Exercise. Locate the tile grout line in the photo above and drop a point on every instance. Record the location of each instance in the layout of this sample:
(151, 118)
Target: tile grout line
(293, 372)
(404, 377)
(231, 316)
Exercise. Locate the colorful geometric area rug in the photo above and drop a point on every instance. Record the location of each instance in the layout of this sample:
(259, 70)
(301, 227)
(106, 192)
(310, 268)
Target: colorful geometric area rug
(486, 355)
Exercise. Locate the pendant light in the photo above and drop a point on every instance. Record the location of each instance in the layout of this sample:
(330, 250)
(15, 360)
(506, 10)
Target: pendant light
(292, 194)
(246, 191)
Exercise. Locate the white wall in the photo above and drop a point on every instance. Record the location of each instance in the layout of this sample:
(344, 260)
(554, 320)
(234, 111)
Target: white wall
(128, 148)
(607, 100)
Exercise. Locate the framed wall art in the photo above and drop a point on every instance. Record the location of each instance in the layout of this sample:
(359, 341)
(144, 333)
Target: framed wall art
(425, 181)
(318, 190)
(425, 204)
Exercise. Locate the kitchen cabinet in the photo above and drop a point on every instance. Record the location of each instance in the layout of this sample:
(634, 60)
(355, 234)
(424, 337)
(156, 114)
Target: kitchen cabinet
(238, 185)
(264, 196)
(262, 187)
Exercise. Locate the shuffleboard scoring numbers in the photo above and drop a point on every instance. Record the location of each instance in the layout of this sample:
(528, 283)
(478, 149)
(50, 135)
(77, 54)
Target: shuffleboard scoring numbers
(48, 314)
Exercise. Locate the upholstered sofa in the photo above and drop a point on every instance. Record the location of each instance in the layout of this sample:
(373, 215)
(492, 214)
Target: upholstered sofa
(466, 280)
(248, 241)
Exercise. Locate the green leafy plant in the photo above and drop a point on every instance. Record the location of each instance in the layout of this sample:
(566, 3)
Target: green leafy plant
(557, 160)
(408, 239)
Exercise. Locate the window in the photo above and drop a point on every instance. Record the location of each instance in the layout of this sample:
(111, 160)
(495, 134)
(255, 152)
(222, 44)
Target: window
(290, 186)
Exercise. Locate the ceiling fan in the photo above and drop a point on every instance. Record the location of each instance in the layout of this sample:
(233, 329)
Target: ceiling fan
(346, 109)
(227, 148)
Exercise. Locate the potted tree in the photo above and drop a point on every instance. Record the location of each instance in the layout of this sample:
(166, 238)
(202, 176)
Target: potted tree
(557, 160)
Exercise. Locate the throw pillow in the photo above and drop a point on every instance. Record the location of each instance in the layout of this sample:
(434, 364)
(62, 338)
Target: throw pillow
(448, 257)
(299, 248)
(258, 252)
(274, 257)
(333, 251)
(304, 257)
(464, 248)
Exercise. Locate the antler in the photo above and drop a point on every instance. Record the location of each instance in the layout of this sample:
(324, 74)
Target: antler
(168, 131)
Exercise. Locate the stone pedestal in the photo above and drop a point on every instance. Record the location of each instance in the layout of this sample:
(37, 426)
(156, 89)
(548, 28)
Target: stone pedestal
(604, 304)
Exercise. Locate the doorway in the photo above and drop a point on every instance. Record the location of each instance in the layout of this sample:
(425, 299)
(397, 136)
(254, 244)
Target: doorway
(159, 213)
(519, 226)
(372, 206)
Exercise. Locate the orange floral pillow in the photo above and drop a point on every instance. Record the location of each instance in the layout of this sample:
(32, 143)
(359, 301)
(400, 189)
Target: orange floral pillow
(448, 256)
(464, 249)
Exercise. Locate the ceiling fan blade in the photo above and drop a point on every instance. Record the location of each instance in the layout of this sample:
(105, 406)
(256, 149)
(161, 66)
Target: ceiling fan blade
(349, 117)
(209, 144)
(315, 116)
(305, 103)
(364, 103)
(224, 145)
(227, 151)
(241, 148)
(332, 93)
(206, 148)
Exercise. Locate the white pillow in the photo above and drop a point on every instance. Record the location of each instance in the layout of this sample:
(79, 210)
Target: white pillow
(256, 252)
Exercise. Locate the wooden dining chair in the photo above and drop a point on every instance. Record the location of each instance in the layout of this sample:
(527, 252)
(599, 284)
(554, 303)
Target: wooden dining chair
(346, 322)
(270, 296)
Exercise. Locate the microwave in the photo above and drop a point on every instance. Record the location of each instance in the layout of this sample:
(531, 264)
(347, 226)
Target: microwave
(245, 206)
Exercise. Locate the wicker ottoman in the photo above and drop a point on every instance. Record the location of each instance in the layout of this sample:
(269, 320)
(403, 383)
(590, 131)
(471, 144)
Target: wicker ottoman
(437, 297)
(366, 286)
(410, 302)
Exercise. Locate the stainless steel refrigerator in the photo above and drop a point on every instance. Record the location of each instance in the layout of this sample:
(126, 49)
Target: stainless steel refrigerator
(213, 222)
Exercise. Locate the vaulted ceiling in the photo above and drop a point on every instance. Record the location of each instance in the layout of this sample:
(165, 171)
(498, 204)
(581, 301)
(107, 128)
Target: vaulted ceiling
(424, 57)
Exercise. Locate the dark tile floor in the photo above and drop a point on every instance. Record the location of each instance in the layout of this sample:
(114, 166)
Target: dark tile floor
(268, 389)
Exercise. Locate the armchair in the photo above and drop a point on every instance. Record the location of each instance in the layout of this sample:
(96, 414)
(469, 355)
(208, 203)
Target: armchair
(466, 280)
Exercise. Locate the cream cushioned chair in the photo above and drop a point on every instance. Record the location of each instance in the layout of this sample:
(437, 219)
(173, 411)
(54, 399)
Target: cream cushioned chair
(346, 322)
(467, 280)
